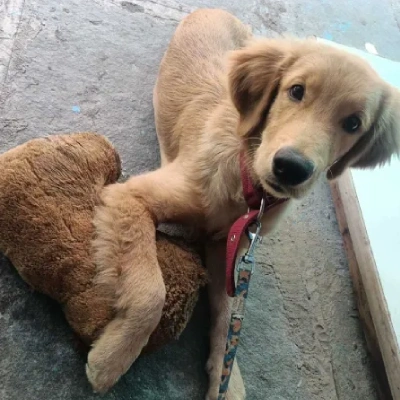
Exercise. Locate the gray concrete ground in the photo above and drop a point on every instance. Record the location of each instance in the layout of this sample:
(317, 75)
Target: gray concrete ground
(90, 65)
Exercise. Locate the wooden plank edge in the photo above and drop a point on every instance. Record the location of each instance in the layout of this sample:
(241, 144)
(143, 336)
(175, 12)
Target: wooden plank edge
(383, 389)
(374, 313)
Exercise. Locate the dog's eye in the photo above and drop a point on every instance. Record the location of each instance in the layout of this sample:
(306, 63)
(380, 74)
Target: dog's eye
(296, 92)
(351, 124)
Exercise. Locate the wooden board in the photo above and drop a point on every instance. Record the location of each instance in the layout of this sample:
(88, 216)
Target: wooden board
(374, 313)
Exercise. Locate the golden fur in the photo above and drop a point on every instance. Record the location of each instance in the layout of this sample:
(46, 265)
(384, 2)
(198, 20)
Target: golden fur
(49, 189)
(219, 91)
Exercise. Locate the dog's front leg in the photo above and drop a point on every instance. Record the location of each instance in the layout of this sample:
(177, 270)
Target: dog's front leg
(220, 304)
(126, 259)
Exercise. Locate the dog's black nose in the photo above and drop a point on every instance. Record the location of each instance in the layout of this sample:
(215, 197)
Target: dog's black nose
(290, 167)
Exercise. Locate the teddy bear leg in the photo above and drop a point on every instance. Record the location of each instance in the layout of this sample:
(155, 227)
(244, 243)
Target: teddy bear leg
(220, 304)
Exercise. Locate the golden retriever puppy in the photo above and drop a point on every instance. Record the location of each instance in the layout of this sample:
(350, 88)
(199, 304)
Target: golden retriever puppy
(296, 108)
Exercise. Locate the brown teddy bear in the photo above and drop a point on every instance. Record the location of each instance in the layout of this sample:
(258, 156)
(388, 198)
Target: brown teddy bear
(48, 192)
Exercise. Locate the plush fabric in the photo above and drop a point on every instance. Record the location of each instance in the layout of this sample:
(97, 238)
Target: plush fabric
(49, 189)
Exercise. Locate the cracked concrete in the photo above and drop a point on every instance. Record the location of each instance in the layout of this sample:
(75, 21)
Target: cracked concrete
(91, 65)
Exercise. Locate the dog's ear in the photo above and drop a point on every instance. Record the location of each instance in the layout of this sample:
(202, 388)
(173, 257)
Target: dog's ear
(254, 76)
(377, 146)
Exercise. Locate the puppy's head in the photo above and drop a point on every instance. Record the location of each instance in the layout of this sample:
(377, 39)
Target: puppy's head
(306, 108)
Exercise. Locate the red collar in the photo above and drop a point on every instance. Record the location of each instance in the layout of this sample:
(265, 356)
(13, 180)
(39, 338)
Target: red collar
(251, 193)
(253, 196)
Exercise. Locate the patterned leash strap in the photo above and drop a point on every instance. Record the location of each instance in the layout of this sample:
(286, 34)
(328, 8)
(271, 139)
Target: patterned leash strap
(245, 268)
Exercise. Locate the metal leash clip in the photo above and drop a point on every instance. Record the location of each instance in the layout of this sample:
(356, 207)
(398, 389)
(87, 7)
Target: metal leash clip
(247, 262)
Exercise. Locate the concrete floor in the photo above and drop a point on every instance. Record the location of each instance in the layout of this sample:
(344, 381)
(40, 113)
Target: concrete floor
(90, 65)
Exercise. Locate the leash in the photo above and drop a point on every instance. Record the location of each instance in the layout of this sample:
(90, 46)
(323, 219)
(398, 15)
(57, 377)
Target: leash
(249, 224)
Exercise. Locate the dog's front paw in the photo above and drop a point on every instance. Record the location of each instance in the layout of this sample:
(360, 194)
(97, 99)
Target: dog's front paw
(236, 390)
(232, 394)
(108, 360)
(110, 357)
(100, 377)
